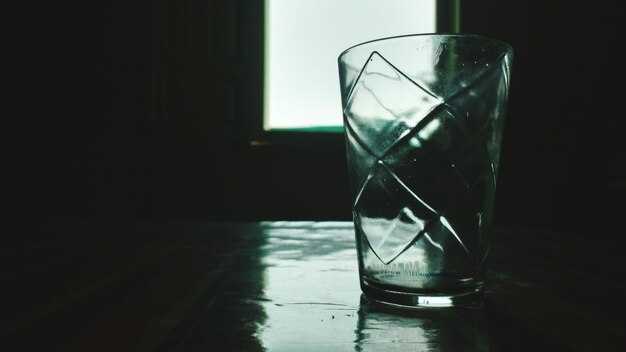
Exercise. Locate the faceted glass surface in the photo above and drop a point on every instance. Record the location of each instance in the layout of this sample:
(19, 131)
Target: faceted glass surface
(423, 117)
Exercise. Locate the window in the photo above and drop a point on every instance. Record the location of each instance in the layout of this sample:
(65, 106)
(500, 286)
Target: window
(303, 39)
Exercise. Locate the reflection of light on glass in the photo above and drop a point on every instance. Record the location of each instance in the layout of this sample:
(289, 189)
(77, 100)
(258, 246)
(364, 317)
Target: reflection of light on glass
(427, 131)
(434, 301)
(303, 39)
(445, 223)
(433, 242)
(415, 142)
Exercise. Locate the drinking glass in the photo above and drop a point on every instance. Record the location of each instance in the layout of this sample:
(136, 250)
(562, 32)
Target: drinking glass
(423, 117)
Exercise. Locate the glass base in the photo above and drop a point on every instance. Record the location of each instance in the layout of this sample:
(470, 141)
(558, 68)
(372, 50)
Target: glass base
(473, 295)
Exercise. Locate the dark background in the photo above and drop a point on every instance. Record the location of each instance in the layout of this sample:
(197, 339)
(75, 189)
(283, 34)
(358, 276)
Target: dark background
(146, 110)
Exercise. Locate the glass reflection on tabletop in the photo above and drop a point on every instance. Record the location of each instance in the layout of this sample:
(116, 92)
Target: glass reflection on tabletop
(380, 328)
(312, 300)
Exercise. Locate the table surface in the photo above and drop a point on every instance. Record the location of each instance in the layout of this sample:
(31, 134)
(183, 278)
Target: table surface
(288, 286)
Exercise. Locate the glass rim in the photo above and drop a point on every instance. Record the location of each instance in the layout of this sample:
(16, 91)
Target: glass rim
(507, 46)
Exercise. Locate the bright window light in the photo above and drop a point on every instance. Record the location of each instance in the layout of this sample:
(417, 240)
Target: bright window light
(303, 39)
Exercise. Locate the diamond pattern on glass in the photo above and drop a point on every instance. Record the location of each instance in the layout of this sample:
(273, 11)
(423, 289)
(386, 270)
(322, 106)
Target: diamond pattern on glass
(385, 105)
(481, 102)
(430, 164)
(443, 248)
(426, 171)
(389, 214)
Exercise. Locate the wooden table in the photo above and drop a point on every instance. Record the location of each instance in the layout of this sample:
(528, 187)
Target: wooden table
(288, 286)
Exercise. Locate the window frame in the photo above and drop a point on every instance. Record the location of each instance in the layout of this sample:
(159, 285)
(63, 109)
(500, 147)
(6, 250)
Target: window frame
(448, 20)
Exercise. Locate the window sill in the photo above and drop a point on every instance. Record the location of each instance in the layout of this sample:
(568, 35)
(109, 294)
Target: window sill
(322, 136)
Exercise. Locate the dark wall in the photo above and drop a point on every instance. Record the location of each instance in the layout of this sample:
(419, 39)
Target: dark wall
(135, 110)
(564, 151)
(142, 110)
(77, 129)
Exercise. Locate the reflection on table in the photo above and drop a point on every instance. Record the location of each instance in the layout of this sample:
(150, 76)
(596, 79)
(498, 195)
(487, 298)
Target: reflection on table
(289, 286)
(312, 301)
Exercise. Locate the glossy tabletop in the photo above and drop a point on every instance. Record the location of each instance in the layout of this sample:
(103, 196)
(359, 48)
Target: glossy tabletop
(289, 286)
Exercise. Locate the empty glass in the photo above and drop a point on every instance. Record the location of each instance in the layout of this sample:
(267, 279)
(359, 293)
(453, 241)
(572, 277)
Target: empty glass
(423, 117)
